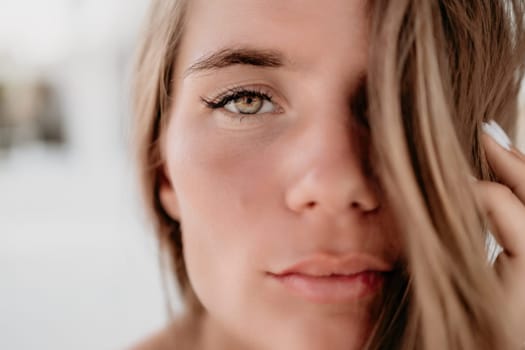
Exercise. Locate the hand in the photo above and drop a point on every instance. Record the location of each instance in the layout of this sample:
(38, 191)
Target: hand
(504, 206)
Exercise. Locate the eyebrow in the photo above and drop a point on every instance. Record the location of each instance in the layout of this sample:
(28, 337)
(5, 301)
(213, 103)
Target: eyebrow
(237, 56)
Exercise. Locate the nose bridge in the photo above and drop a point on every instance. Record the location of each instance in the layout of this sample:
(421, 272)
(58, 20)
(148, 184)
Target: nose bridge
(331, 149)
(331, 177)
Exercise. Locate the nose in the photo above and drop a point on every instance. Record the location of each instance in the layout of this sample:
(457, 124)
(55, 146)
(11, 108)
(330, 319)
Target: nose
(331, 175)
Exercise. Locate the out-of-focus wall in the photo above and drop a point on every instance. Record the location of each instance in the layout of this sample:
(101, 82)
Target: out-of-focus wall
(78, 263)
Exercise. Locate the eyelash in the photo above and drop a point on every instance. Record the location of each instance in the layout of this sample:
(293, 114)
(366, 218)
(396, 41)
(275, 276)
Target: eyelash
(233, 94)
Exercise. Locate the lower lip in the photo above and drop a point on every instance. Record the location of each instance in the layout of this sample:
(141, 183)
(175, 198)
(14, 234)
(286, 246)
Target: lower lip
(332, 289)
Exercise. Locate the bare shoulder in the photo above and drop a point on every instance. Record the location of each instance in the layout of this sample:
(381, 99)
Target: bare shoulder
(181, 334)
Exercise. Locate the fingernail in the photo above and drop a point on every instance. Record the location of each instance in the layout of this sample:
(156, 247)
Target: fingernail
(496, 132)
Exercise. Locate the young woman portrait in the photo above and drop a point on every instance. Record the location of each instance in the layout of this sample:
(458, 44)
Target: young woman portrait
(327, 174)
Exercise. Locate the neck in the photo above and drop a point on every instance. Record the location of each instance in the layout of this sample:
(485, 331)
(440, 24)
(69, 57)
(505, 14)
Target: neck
(215, 337)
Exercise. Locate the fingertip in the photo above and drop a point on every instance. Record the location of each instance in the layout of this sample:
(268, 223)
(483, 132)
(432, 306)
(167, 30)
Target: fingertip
(497, 134)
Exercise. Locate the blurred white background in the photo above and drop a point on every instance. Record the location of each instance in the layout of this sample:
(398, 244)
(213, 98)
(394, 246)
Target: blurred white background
(78, 264)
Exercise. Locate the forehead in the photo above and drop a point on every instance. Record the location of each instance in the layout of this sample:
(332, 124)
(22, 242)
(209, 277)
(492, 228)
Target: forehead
(309, 32)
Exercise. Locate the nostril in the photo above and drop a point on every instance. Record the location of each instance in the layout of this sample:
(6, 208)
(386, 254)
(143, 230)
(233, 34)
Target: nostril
(310, 205)
(368, 209)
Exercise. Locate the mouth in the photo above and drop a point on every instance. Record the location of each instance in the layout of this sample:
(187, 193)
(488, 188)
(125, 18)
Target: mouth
(327, 280)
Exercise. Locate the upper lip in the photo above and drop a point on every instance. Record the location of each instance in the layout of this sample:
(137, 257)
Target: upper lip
(321, 265)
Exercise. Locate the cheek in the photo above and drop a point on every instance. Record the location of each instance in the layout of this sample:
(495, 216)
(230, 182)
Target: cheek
(220, 186)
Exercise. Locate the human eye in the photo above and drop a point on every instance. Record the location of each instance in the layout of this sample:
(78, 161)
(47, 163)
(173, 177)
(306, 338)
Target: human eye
(242, 102)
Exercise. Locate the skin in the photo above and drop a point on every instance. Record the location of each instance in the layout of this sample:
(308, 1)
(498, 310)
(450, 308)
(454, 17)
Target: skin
(504, 205)
(258, 194)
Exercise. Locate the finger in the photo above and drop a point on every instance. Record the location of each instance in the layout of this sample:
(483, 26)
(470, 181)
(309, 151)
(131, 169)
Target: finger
(508, 166)
(518, 153)
(505, 267)
(506, 215)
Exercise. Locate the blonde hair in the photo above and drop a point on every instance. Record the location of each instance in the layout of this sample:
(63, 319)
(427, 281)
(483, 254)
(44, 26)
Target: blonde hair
(437, 70)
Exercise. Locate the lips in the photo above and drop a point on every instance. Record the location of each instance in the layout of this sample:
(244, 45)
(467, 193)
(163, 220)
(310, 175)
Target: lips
(325, 265)
(328, 279)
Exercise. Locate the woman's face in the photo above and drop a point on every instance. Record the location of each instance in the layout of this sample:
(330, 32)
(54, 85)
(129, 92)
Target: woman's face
(278, 215)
